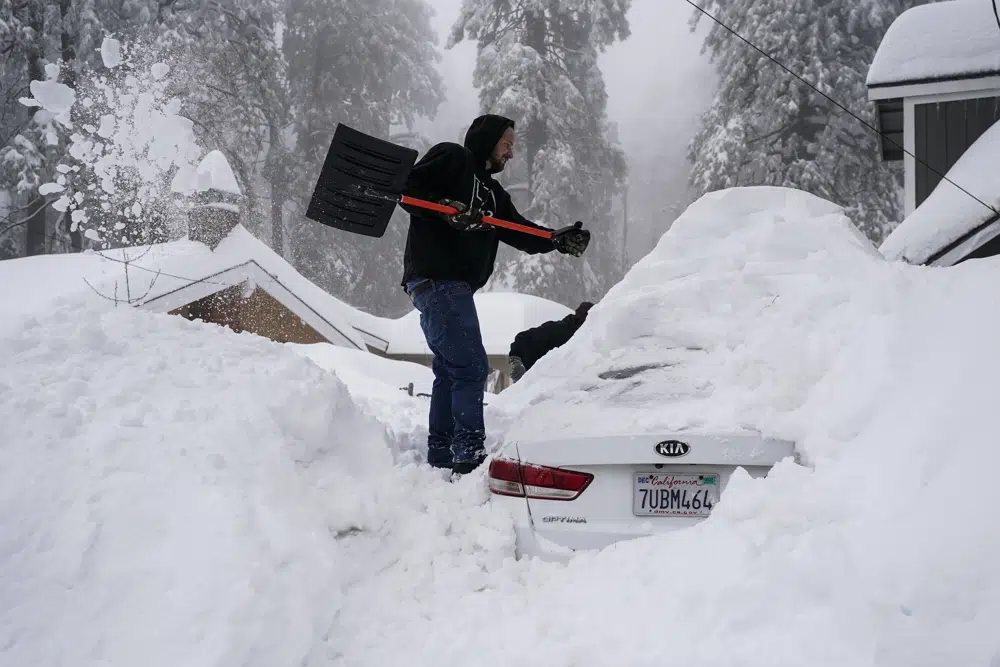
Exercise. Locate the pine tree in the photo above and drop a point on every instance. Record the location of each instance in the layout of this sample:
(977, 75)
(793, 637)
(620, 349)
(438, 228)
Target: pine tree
(537, 64)
(371, 66)
(767, 128)
(35, 36)
(237, 91)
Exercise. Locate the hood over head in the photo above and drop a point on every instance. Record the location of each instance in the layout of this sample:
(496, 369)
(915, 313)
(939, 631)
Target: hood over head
(484, 133)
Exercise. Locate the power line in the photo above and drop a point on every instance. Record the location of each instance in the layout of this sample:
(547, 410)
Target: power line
(841, 106)
(996, 14)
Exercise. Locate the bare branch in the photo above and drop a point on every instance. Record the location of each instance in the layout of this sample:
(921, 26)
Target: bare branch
(104, 296)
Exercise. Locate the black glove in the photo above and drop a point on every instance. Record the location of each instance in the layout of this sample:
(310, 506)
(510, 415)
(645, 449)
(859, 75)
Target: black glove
(571, 240)
(517, 370)
(465, 220)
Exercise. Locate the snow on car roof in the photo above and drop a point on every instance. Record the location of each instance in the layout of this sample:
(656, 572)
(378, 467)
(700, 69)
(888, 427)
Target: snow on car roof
(734, 317)
(942, 40)
(949, 214)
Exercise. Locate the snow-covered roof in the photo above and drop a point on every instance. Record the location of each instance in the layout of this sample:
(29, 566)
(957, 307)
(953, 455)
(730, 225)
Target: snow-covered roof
(185, 276)
(736, 314)
(214, 173)
(949, 215)
(938, 41)
(166, 276)
(376, 331)
(502, 315)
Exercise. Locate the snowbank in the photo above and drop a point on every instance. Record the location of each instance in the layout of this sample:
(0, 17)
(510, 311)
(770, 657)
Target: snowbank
(727, 324)
(176, 494)
(938, 41)
(949, 214)
(880, 552)
(377, 384)
(502, 315)
(173, 493)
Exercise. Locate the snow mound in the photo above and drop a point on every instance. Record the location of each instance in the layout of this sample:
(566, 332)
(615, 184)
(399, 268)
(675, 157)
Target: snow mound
(880, 551)
(176, 494)
(378, 385)
(948, 215)
(173, 493)
(730, 320)
(937, 41)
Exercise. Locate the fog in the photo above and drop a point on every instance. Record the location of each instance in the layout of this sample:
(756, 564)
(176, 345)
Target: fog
(658, 84)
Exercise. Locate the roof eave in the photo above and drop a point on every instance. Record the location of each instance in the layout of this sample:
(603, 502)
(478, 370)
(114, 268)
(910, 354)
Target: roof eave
(953, 83)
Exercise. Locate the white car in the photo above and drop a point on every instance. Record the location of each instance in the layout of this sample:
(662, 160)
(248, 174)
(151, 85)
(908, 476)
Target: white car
(586, 493)
(699, 361)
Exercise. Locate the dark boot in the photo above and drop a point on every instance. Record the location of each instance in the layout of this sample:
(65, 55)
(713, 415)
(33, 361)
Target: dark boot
(467, 466)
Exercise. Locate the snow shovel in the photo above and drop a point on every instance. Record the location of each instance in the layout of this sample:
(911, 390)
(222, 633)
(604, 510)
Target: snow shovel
(362, 181)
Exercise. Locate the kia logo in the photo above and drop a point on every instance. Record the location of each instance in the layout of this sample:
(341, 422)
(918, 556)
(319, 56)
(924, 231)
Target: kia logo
(672, 448)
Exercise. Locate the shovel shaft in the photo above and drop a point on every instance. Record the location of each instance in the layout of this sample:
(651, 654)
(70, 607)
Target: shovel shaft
(496, 222)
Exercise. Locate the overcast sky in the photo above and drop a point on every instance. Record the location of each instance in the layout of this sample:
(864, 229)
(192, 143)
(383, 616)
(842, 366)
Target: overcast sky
(657, 80)
(658, 85)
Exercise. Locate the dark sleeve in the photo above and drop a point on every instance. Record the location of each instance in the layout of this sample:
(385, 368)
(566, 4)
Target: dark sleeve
(533, 344)
(437, 174)
(528, 243)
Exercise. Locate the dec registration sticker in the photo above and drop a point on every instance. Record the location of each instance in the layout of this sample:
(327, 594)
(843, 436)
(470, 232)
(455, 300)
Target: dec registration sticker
(669, 494)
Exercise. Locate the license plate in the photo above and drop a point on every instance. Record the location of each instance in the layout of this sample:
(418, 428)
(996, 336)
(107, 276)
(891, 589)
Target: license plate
(669, 494)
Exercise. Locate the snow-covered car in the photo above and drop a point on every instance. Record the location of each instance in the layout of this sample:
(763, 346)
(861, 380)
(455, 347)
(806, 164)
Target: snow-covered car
(587, 493)
(686, 371)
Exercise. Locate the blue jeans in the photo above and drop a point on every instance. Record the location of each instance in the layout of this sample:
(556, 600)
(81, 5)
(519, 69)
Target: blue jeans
(450, 324)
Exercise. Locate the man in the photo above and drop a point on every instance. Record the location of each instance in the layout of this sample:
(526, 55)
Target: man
(447, 259)
(531, 345)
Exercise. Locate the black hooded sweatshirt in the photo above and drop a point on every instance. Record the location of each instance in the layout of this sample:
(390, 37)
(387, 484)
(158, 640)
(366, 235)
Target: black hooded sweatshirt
(437, 251)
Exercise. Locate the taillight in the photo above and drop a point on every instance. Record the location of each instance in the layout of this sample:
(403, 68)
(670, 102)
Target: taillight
(510, 478)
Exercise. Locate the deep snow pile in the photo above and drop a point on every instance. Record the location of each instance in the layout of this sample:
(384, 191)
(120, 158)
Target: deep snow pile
(175, 494)
(376, 384)
(727, 324)
(882, 552)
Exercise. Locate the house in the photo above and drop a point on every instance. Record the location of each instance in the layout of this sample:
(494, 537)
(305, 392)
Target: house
(953, 225)
(502, 315)
(935, 80)
(220, 273)
(225, 275)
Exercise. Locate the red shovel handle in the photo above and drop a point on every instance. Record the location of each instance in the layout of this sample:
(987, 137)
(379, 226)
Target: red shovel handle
(496, 222)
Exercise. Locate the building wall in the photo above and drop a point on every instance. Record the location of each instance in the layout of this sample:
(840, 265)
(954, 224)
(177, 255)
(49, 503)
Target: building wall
(260, 314)
(943, 131)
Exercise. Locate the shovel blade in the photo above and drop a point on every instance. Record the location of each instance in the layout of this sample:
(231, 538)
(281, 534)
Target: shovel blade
(357, 162)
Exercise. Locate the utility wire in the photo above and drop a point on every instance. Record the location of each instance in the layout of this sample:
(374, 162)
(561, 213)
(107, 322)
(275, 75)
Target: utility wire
(841, 106)
(996, 14)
